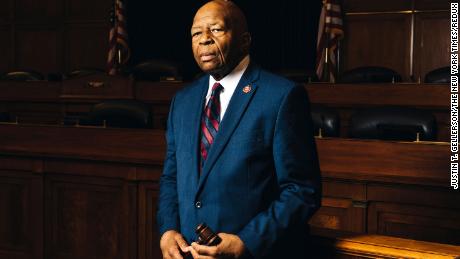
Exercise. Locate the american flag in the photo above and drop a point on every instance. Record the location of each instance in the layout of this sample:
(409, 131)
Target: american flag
(118, 40)
(330, 31)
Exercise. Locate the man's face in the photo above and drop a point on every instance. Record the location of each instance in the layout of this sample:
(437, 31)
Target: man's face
(214, 44)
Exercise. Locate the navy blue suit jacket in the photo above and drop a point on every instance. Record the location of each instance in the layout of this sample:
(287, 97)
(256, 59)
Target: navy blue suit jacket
(261, 180)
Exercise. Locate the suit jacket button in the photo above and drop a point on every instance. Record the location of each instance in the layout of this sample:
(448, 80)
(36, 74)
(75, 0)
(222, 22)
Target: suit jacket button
(198, 204)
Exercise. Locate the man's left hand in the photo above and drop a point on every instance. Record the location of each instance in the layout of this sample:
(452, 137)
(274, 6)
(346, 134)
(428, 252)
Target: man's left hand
(231, 246)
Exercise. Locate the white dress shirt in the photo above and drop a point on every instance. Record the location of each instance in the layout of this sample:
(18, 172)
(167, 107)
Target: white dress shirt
(229, 83)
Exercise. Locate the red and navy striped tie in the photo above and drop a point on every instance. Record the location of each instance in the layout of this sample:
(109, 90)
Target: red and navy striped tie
(210, 121)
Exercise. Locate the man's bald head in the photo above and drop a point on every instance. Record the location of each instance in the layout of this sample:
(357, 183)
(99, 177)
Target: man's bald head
(230, 11)
(220, 37)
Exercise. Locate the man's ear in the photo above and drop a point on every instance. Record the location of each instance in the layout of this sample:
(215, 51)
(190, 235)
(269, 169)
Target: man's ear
(246, 42)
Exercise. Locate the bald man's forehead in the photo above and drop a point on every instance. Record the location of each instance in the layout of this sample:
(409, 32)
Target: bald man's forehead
(212, 9)
(210, 16)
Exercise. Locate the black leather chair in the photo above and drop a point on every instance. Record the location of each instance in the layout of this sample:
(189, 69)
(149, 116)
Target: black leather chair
(327, 120)
(439, 76)
(85, 72)
(120, 114)
(370, 74)
(155, 70)
(393, 123)
(22, 76)
(4, 117)
(299, 75)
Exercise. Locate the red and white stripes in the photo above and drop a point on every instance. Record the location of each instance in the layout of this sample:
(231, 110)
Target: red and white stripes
(118, 40)
(330, 31)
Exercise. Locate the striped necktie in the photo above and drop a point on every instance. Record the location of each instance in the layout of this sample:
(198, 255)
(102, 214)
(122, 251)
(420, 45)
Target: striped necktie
(210, 121)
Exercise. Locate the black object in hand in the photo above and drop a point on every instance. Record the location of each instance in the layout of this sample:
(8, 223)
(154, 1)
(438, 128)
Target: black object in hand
(206, 236)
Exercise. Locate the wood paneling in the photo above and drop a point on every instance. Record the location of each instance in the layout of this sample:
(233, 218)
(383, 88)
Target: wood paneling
(352, 6)
(86, 45)
(37, 49)
(432, 47)
(415, 222)
(6, 11)
(349, 95)
(38, 10)
(21, 215)
(82, 10)
(30, 91)
(101, 187)
(372, 40)
(430, 5)
(45, 34)
(371, 37)
(97, 87)
(147, 228)
(340, 214)
(5, 48)
(90, 218)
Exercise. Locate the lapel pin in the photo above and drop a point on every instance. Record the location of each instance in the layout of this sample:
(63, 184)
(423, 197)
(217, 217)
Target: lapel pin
(247, 89)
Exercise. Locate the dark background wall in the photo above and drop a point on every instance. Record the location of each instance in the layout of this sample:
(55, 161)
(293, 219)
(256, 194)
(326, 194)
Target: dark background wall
(283, 32)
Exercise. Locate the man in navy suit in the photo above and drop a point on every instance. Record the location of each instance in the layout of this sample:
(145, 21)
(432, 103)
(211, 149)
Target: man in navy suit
(241, 156)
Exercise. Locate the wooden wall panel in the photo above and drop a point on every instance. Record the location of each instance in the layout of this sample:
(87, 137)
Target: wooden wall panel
(341, 215)
(415, 222)
(35, 28)
(38, 10)
(5, 11)
(373, 40)
(86, 46)
(148, 246)
(21, 215)
(5, 48)
(37, 49)
(432, 42)
(88, 9)
(90, 218)
(430, 5)
(376, 6)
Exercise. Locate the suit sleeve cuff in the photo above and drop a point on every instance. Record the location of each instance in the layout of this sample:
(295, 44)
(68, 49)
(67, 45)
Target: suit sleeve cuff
(166, 227)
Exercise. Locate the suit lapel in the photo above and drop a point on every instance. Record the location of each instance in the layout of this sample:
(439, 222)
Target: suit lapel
(236, 108)
(194, 126)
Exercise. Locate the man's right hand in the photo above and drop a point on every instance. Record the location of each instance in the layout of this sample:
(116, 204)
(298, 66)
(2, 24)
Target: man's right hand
(171, 243)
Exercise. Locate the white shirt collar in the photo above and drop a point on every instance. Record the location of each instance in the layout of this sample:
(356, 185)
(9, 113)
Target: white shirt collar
(230, 81)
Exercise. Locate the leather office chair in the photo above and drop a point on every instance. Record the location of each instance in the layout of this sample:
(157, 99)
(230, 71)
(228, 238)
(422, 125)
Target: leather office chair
(22, 76)
(84, 72)
(439, 75)
(370, 74)
(120, 114)
(4, 117)
(155, 70)
(327, 120)
(299, 75)
(393, 123)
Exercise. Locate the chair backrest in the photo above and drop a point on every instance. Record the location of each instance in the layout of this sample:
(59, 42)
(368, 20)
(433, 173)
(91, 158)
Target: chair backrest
(154, 70)
(22, 76)
(327, 120)
(121, 114)
(439, 75)
(393, 123)
(370, 74)
(84, 72)
(4, 117)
